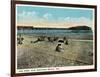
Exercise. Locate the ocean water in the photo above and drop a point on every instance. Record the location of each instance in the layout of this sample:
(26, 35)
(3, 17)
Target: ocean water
(56, 32)
(87, 34)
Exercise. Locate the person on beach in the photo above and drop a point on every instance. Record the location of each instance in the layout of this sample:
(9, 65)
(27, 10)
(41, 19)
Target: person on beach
(59, 48)
(41, 38)
(66, 40)
(20, 39)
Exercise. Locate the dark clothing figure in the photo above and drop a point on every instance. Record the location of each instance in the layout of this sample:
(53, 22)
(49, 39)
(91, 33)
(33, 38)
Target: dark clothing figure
(64, 38)
(41, 38)
(50, 39)
(61, 41)
(66, 42)
(20, 40)
(55, 38)
(59, 48)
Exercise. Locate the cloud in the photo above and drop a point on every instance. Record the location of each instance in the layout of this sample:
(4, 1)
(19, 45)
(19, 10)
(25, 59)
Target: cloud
(78, 19)
(48, 16)
(27, 16)
(29, 13)
(75, 20)
(67, 18)
(33, 13)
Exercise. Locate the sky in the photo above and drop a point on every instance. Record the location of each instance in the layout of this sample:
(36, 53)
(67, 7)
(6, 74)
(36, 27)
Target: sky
(53, 17)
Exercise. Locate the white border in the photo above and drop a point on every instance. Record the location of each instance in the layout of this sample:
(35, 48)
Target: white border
(54, 69)
(54, 6)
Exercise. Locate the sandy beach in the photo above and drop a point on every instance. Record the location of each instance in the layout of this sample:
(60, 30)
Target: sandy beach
(42, 54)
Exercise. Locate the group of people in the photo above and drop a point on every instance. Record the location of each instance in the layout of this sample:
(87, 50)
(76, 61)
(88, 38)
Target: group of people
(59, 47)
(20, 40)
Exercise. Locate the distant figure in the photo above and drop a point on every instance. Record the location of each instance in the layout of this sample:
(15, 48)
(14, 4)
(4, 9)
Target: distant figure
(66, 40)
(41, 38)
(55, 38)
(20, 39)
(90, 53)
(50, 39)
(59, 48)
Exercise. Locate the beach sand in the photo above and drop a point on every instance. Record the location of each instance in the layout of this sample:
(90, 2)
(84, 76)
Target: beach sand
(43, 54)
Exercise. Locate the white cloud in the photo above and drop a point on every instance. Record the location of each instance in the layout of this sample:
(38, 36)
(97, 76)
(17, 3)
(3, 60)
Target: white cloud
(47, 16)
(27, 14)
(33, 13)
(66, 18)
(77, 20)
